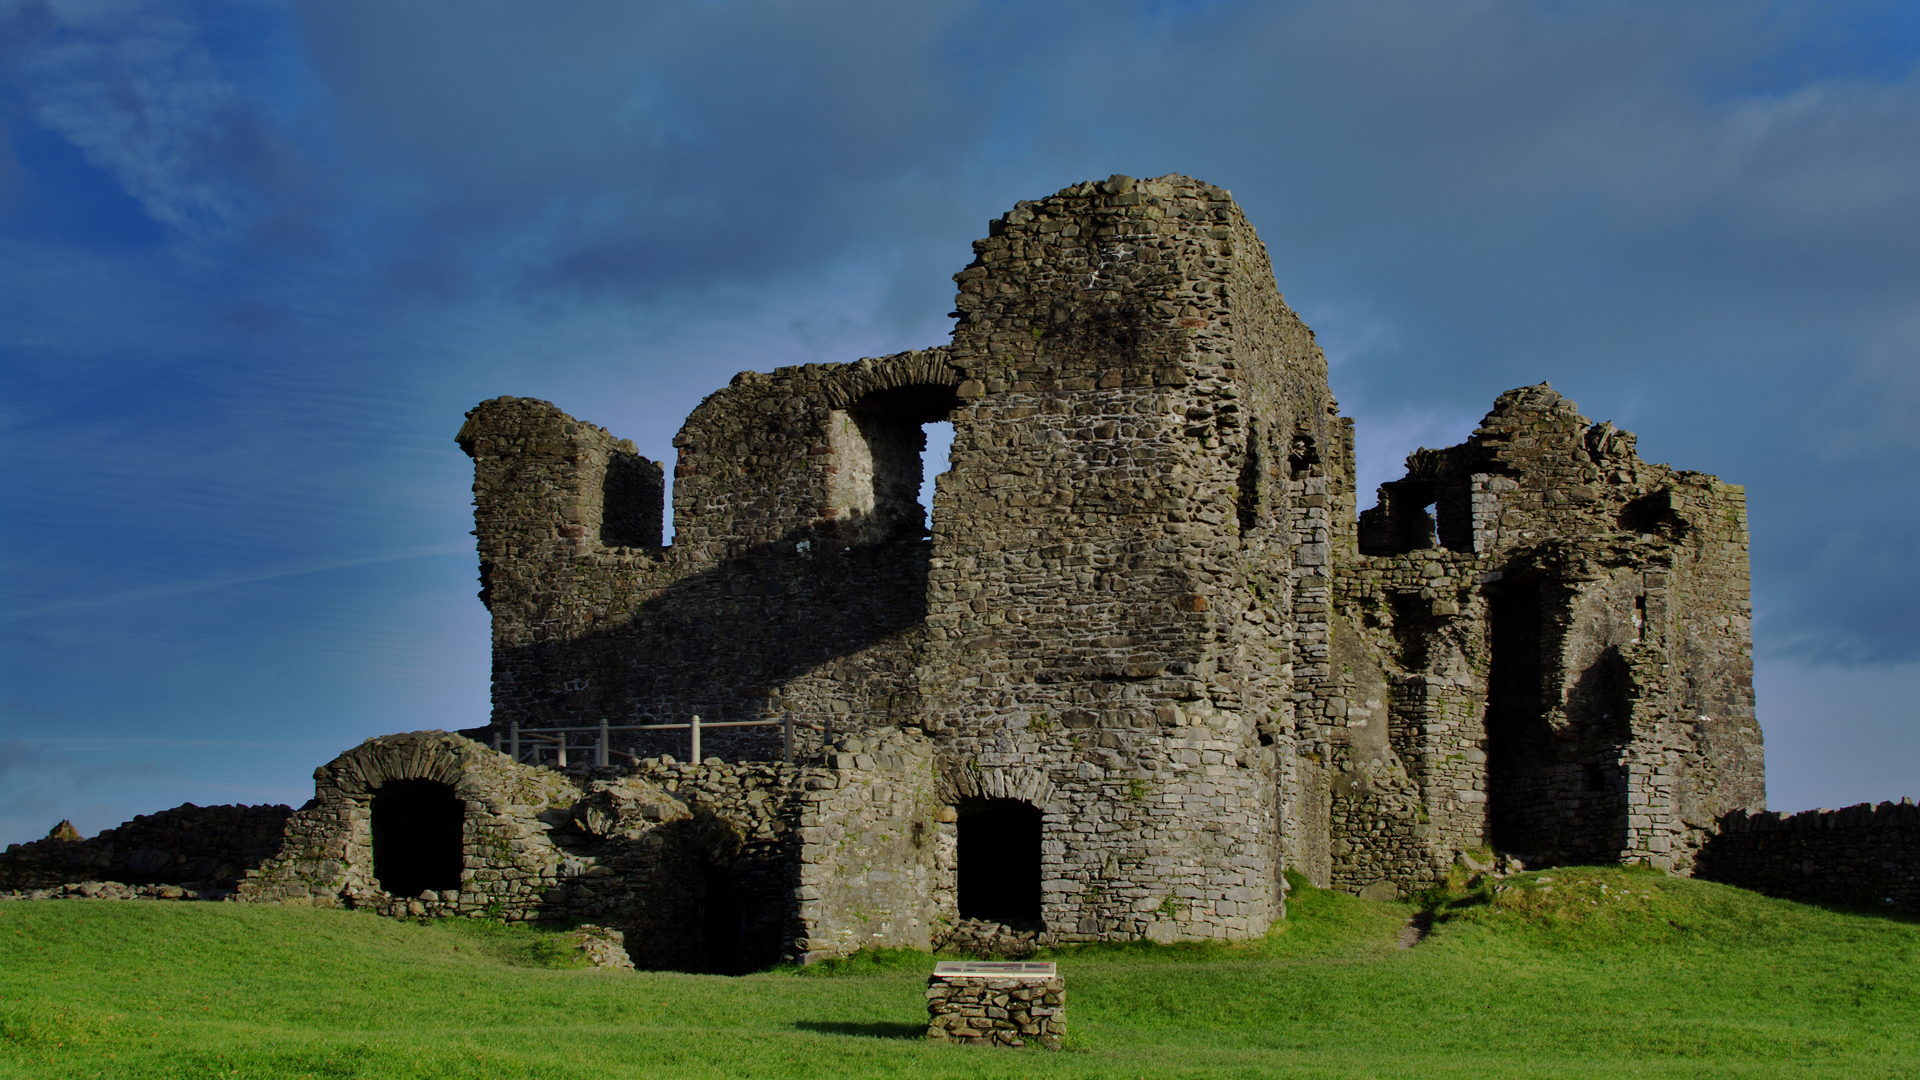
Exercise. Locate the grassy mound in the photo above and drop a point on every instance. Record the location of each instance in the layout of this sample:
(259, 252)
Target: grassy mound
(1591, 972)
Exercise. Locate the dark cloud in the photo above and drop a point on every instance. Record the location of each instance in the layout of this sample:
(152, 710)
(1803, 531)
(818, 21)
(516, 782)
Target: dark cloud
(633, 149)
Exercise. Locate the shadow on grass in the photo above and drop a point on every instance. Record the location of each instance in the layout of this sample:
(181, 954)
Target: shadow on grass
(1863, 905)
(885, 1029)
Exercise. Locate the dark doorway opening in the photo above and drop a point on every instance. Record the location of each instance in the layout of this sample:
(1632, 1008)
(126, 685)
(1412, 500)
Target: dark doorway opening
(722, 922)
(999, 853)
(417, 836)
(1517, 743)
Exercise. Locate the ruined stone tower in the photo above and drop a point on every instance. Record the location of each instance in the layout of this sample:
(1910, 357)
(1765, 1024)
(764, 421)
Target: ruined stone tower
(1146, 652)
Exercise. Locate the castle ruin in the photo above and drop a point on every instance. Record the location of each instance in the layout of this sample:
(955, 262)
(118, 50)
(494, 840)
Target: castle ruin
(1145, 656)
(1144, 609)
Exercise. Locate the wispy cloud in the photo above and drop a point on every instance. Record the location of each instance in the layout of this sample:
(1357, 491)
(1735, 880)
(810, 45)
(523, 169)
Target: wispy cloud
(133, 85)
(183, 588)
(58, 744)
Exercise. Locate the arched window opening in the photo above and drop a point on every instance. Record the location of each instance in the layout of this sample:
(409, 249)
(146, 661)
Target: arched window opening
(417, 836)
(876, 475)
(999, 854)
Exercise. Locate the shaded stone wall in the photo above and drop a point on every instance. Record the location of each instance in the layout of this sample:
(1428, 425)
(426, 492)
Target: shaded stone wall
(704, 867)
(1864, 855)
(207, 847)
(1559, 636)
(773, 599)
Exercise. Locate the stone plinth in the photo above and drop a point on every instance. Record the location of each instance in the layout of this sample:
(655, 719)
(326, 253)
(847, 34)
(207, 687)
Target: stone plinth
(1001, 1003)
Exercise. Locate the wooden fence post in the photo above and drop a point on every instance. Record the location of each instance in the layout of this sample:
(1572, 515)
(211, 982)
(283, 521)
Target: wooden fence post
(514, 753)
(695, 729)
(600, 755)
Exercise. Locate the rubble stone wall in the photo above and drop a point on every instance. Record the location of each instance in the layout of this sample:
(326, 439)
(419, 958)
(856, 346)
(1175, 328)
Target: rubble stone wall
(1557, 636)
(1864, 855)
(772, 600)
(715, 866)
(207, 847)
(1133, 383)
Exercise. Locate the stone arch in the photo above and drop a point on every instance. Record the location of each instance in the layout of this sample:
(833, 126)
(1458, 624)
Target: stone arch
(926, 367)
(485, 807)
(961, 781)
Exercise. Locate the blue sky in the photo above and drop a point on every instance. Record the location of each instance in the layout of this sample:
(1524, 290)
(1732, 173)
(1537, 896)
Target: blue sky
(257, 258)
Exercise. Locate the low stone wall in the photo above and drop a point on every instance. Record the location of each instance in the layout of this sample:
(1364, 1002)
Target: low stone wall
(206, 847)
(1866, 855)
(710, 866)
(110, 890)
(995, 1008)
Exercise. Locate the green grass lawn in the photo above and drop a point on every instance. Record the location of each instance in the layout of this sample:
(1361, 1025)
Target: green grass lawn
(1650, 976)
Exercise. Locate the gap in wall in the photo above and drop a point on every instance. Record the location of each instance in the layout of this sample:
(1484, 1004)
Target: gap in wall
(934, 460)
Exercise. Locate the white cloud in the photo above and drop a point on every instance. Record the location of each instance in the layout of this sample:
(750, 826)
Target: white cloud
(132, 86)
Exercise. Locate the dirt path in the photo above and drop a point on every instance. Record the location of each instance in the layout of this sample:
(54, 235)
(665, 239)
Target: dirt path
(1416, 929)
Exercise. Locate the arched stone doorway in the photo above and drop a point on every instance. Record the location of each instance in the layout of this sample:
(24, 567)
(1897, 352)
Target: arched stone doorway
(418, 836)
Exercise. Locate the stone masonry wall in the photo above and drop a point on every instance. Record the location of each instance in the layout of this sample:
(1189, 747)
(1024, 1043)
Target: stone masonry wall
(1557, 636)
(1131, 376)
(772, 600)
(206, 847)
(1864, 855)
(711, 866)
(869, 829)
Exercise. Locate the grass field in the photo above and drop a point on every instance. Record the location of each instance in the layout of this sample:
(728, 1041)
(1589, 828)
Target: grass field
(1588, 973)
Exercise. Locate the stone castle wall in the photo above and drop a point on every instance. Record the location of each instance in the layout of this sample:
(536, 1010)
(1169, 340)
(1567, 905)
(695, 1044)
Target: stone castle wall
(1865, 855)
(1542, 643)
(1132, 384)
(1145, 600)
(773, 600)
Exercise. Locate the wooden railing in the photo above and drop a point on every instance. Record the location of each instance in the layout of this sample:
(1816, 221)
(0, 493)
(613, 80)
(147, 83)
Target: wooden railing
(529, 746)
